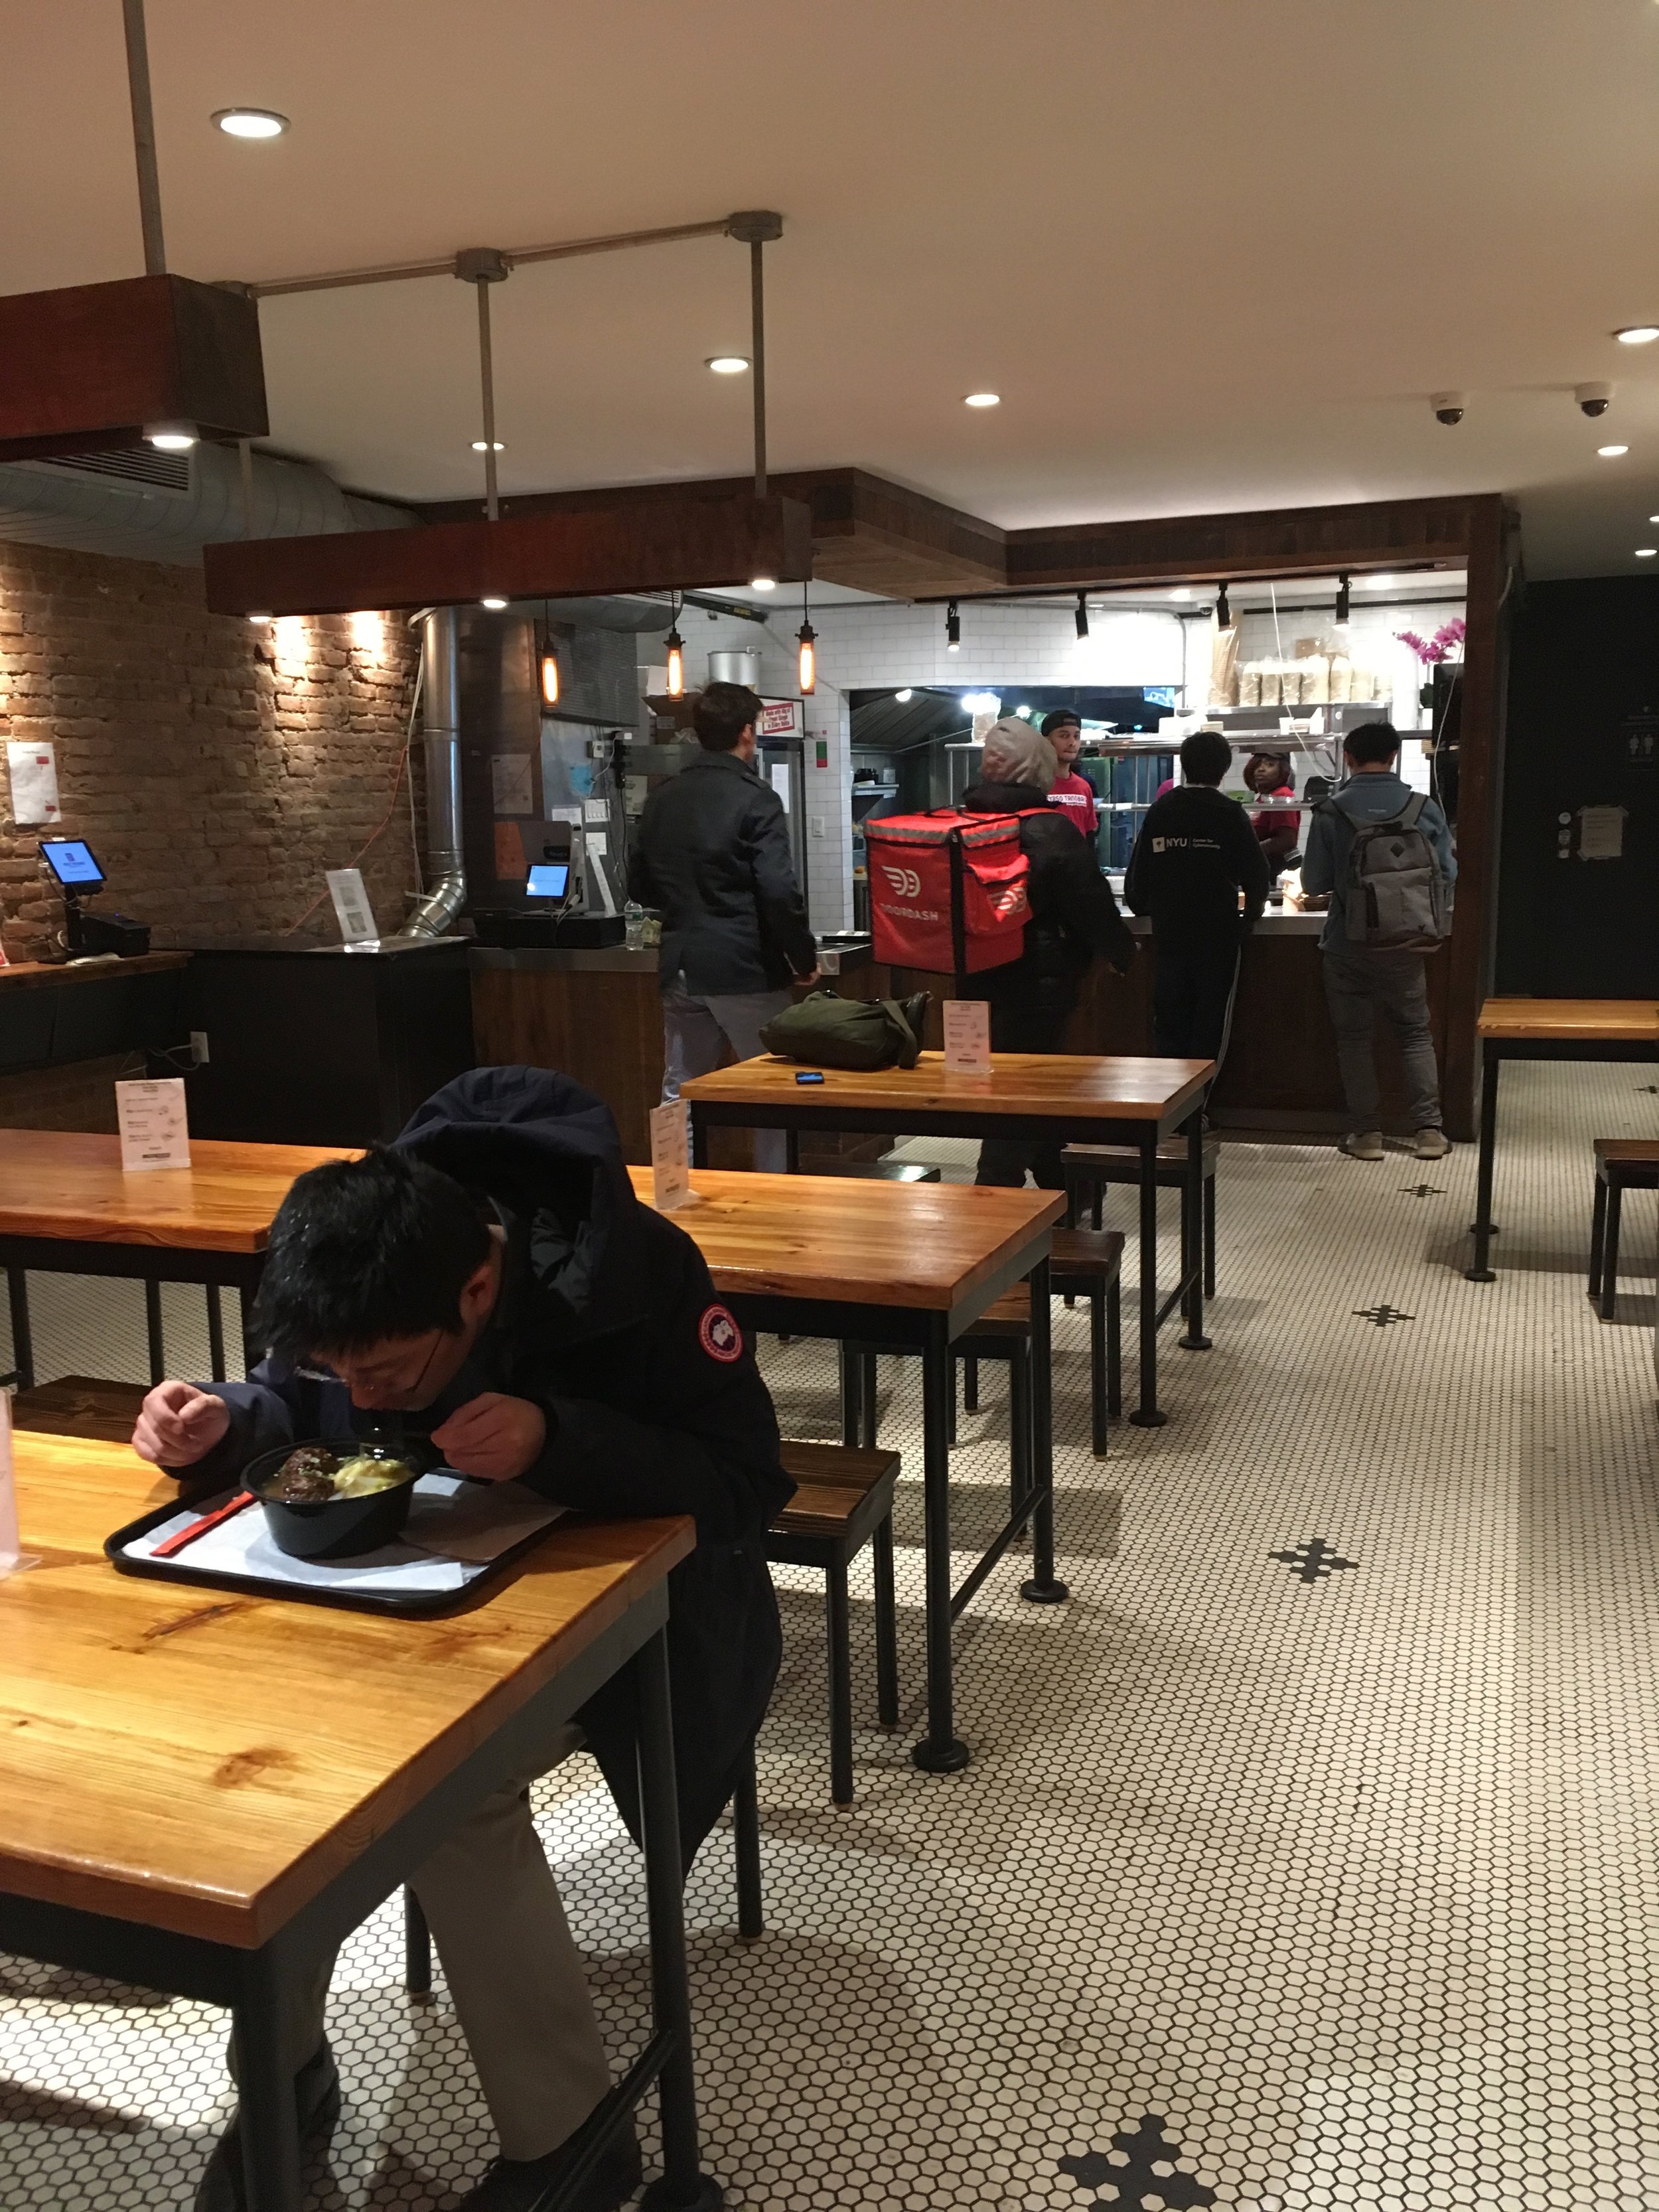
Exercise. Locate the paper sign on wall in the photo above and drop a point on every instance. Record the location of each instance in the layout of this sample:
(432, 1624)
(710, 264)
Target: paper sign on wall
(671, 1157)
(351, 906)
(967, 1037)
(511, 866)
(34, 781)
(779, 717)
(1601, 833)
(509, 774)
(154, 1125)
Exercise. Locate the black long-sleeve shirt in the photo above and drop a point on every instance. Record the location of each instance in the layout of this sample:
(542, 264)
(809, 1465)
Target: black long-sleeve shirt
(1195, 852)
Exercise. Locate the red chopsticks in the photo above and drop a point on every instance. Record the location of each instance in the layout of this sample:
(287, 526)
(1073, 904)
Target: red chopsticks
(178, 1541)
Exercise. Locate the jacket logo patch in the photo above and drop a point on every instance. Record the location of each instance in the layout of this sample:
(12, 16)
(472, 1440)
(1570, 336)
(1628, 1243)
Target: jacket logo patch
(905, 881)
(720, 1335)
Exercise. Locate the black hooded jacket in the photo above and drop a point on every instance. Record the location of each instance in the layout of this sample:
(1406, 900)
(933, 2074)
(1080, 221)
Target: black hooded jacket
(1074, 917)
(602, 1323)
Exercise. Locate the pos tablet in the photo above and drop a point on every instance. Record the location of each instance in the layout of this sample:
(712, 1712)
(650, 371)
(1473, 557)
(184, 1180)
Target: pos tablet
(72, 860)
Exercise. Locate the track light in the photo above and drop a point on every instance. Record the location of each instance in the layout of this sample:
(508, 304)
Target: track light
(1223, 613)
(676, 645)
(1342, 600)
(1082, 616)
(952, 628)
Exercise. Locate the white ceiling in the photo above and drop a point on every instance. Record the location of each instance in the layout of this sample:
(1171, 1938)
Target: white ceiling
(1213, 253)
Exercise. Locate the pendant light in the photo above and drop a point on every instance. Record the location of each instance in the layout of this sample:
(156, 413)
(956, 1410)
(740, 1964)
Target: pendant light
(550, 663)
(952, 628)
(1342, 600)
(676, 645)
(807, 638)
(1082, 616)
(1223, 613)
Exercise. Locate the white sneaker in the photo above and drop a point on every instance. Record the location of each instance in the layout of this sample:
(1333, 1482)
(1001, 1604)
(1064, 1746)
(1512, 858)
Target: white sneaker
(1363, 1145)
(1430, 1144)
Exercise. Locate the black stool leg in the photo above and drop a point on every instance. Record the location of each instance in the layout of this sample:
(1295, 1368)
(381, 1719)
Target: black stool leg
(881, 1563)
(745, 1838)
(1598, 1236)
(1099, 1212)
(158, 1355)
(1114, 1347)
(1019, 1424)
(1209, 1237)
(840, 1684)
(216, 1317)
(23, 1336)
(852, 1400)
(867, 1401)
(1098, 1370)
(970, 1382)
(417, 1948)
(1610, 1253)
(955, 1370)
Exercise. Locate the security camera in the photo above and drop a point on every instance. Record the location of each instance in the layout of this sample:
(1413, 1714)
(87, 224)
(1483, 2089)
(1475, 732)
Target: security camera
(1449, 407)
(1593, 399)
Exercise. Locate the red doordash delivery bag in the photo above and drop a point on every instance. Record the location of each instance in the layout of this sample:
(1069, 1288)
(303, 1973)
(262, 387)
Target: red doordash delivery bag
(947, 891)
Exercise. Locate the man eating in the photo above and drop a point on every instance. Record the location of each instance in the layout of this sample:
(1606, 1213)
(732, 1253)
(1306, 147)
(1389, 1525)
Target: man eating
(493, 1273)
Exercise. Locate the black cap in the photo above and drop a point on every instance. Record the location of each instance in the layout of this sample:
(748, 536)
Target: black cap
(1059, 720)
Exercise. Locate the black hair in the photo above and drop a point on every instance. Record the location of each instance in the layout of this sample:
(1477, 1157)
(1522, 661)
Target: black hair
(1281, 762)
(1317, 787)
(1061, 717)
(722, 714)
(1371, 742)
(368, 1249)
(1206, 756)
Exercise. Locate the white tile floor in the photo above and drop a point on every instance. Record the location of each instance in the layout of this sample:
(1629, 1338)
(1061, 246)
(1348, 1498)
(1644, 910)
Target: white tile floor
(1260, 1891)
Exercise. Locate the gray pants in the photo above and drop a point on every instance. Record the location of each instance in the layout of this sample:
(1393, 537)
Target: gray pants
(516, 1977)
(693, 1031)
(1356, 984)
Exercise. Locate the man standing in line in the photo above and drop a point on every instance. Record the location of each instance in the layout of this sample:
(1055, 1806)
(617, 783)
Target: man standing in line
(1359, 979)
(712, 854)
(1072, 793)
(1196, 851)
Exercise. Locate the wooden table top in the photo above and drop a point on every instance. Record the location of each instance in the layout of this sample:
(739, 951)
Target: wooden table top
(1616, 1021)
(30, 974)
(842, 1238)
(62, 1183)
(206, 1762)
(1065, 1085)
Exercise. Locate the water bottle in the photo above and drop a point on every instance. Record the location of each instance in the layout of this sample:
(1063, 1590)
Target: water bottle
(634, 924)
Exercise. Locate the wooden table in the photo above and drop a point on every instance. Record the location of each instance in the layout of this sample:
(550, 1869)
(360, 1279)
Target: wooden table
(898, 1268)
(67, 1208)
(1547, 1029)
(1071, 1098)
(202, 1797)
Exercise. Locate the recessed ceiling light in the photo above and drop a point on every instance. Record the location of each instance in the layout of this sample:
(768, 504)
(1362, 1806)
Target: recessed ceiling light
(258, 619)
(762, 583)
(493, 447)
(734, 364)
(1646, 552)
(255, 122)
(1637, 334)
(1610, 452)
(903, 696)
(983, 400)
(1182, 592)
(1377, 583)
(170, 437)
(495, 605)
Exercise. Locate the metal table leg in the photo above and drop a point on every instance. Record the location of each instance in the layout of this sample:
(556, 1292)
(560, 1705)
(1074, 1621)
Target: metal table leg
(1147, 1415)
(158, 1351)
(1042, 1589)
(253, 1350)
(1481, 1272)
(940, 1751)
(684, 2187)
(216, 1317)
(1192, 1255)
(23, 1336)
(270, 2119)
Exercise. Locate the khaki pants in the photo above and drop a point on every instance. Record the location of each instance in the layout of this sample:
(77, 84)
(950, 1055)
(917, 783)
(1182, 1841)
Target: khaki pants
(517, 1979)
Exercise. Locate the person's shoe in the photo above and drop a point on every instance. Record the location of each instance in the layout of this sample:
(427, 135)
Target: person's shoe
(1363, 1145)
(317, 2099)
(514, 2184)
(1430, 1144)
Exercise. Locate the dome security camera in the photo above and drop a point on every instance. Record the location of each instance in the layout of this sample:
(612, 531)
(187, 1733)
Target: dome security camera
(1449, 407)
(1593, 399)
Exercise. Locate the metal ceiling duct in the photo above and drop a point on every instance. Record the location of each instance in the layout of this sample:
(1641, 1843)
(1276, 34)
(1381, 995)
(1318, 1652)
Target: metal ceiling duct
(441, 710)
(141, 505)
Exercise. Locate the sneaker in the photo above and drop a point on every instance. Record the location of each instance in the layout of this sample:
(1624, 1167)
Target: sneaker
(1363, 1145)
(316, 2095)
(1430, 1144)
(519, 2184)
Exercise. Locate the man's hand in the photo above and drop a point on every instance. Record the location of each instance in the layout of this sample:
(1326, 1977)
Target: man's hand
(493, 1436)
(178, 1424)
(805, 982)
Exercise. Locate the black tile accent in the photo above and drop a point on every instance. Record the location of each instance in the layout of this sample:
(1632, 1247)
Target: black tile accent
(1314, 1559)
(1422, 1190)
(1383, 1316)
(1143, 2174)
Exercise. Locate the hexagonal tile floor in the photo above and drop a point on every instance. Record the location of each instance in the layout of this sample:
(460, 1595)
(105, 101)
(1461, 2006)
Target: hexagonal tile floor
(1275, 1881)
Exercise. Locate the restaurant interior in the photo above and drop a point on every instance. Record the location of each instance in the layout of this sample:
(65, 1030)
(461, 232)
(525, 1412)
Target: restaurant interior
(1210, 1754)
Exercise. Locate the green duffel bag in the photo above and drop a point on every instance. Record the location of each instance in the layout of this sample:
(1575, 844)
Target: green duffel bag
(825, 1031)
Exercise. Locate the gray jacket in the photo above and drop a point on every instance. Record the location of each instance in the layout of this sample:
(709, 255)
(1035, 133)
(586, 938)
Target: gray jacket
(712, 854)
(1370, 798)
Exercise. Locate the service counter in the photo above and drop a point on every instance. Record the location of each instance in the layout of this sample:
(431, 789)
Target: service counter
(68, 1029)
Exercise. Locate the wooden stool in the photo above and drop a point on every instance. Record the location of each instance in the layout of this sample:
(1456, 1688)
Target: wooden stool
(1622, 1163)
(1085, 1263)
(80, 1405)
(1089, 1168)
(843, 1500)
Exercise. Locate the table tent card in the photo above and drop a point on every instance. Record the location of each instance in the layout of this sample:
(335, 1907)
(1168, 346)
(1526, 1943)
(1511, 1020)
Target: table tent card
(967, 1037)
(154, 1124)
(671, 1157)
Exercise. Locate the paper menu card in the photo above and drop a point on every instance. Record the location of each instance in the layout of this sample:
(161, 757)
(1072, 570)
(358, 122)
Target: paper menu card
(351, 906)
(34, 768)
(154, 1124)
(967, 1037)
(13, 1558)
(671, 1157)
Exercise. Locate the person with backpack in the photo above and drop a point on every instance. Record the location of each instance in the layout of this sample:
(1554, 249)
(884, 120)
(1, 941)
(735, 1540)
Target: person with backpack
(1074, 920)
(1383, 852)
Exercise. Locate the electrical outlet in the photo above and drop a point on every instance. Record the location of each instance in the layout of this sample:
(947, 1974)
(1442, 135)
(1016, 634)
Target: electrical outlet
(198, 1047)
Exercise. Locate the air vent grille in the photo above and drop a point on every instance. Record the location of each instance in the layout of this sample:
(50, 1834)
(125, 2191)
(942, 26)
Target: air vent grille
(140, 464)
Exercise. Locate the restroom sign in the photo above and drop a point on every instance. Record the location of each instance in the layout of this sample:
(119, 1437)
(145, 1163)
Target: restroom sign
(779, 717)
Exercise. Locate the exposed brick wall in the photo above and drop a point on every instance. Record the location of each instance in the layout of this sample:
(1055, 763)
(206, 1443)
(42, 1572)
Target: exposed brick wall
(216, 768)
(79, 1095)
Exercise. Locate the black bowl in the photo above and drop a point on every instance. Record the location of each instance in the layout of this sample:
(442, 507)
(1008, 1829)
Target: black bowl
(339, 1528)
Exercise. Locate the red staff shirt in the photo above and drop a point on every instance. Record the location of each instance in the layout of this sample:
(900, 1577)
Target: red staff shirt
(1075, 795)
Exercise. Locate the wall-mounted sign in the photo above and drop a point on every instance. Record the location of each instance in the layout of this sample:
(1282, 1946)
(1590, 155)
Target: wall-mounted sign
(34, 767)
(779, 717)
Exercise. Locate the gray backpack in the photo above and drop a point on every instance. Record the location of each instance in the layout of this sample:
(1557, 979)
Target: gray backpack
(1396, 897)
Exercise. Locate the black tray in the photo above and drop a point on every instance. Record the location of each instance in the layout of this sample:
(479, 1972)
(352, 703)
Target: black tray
(412, 1604)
